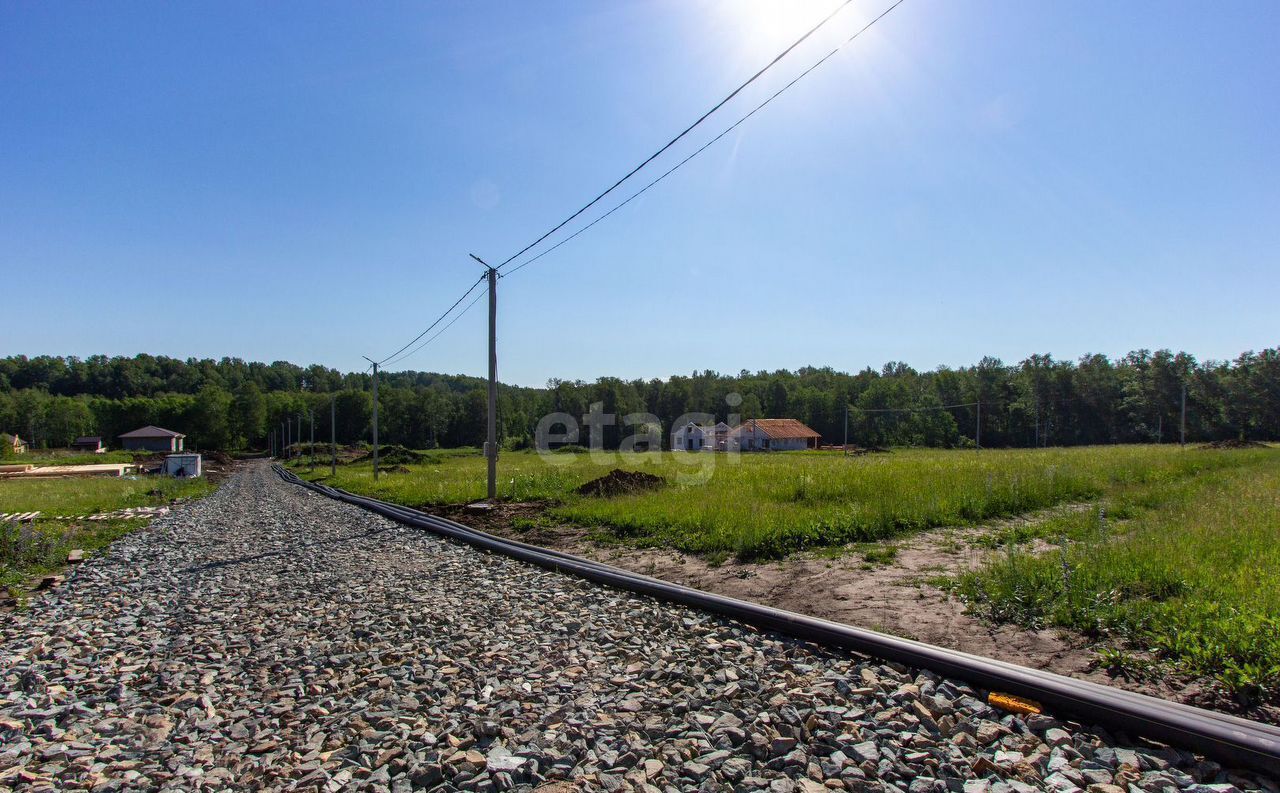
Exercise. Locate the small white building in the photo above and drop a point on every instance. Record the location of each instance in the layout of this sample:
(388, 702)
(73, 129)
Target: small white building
(183, 466)
(699, 438)
(773, 435)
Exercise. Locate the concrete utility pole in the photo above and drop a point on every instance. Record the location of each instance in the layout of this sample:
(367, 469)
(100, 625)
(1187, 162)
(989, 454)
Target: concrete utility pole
(288, 438)
(1182, 430)
(333, 434)
(977, 428)
(375, 414)
(491, 444)
(1037, 423)
(299, 433)
(312, 415)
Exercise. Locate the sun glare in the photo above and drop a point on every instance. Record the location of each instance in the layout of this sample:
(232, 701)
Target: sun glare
(763, 28)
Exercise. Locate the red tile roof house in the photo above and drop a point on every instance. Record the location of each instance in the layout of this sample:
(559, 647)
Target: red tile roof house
(776, 435)
(152, 439)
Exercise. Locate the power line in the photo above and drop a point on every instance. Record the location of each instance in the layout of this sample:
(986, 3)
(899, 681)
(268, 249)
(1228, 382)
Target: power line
(435, 336)
(433, 324)
(673, 141)
(703, 148)
(913, 410)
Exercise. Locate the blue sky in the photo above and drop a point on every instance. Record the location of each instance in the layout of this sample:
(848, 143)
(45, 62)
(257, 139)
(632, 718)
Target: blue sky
(304, 182)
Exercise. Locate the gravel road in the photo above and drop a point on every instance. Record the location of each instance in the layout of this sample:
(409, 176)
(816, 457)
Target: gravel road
(270, 638)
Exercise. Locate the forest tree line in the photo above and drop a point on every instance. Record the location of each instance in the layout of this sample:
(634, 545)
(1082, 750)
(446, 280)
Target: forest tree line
(233, 404)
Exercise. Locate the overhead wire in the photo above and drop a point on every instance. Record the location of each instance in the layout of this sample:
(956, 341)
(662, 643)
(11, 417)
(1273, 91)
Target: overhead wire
(701, 149)
(401, 353)
(677, 138)
(448, 325)
(914, 410)
(433, 324)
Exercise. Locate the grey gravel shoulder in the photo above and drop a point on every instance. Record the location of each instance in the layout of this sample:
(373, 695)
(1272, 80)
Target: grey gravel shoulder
(270, 638)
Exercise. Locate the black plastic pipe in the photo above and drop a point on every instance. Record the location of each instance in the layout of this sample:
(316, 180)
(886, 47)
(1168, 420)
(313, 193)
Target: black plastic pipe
(1249, 744)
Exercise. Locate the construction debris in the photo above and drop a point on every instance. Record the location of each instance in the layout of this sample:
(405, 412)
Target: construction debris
(18, 517)
(48, 582)
(98, 469)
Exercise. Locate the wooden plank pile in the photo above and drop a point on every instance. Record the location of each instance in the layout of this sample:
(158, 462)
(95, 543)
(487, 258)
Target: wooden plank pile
(18, 517)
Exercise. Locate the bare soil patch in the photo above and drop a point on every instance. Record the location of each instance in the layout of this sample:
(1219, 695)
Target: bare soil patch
(619, 482)
(392, 455)
(1234, 443)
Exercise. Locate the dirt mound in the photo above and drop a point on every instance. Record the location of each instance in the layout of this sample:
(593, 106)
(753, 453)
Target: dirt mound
(619, 482)
(392, 454)
(1234, 443)
(217, 457)
(861, 450)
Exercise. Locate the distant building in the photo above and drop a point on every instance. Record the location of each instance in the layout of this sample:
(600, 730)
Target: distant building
(13, 443)
(152, 439)
(182, 466)
(91, 444)
(774, 435)
(698, 438)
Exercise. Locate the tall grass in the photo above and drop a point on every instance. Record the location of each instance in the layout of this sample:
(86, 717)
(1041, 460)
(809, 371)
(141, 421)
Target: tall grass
(1194, 576)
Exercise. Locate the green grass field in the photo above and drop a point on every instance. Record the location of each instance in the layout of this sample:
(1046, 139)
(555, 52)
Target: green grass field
(1187, 579)
(40, 547)
(765, 506)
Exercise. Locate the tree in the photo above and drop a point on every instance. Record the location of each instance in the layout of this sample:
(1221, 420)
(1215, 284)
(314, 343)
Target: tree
(66, 418)
(355, 413)
(248, 414)
(210, 426)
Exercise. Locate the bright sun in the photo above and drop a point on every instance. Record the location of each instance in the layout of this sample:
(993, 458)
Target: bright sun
(766, 27)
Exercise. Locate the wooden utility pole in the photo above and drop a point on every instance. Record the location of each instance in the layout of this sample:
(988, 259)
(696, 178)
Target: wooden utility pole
(846, 427)
(375, 414)
(333, 434)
